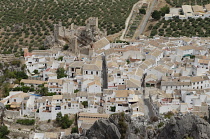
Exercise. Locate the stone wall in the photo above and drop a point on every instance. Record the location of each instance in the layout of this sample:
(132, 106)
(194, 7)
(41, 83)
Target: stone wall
(12, 114)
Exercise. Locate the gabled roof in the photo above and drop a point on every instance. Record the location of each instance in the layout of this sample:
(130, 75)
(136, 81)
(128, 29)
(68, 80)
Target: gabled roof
(57, 97)
(76, 64)
(121, 93)
(198, 78)
(59, 81)
(132, 83)
(26, 81)
(101, 43)
(95, 64)
(95, 82)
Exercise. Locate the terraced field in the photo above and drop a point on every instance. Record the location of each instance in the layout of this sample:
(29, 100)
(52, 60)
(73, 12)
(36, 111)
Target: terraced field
(26, 23)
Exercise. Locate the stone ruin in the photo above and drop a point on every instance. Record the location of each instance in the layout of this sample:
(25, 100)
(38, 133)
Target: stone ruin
(78, 38)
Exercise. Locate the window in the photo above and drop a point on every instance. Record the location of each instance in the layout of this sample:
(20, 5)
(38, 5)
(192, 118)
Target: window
(97, 72)
(91, 72)
(14, 100)
(86, 72)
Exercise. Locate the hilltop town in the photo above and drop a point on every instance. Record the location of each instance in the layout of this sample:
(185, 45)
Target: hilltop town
(102, 77)
(146, 78)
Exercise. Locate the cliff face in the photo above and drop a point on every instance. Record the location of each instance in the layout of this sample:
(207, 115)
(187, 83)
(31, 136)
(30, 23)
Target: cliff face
(186, 126)
(103, 129)
(120, 126)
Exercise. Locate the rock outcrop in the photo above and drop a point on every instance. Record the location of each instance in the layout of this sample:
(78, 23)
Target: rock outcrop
(122, 126)
(186, 126)
(103, 129)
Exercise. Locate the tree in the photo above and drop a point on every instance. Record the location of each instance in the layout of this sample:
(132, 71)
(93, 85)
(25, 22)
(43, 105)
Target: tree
(164, 10)
(142, 11)
(156, 15)
(3, 131)
(85, 104)
(36, 71)
(113, 108)
(63, 121)
(61, 73)
(60, 58)
(66, 47)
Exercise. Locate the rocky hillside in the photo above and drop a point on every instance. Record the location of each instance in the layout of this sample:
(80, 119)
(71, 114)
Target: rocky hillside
(120, 126)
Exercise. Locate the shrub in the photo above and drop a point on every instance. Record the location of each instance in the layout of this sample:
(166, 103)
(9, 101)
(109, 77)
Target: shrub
(74, 130)
(142, 11)
(63, 121)
(160, 124)
(48, 121)
(76, 91)
(156, 15)
(168, 114)
(113, 109)
(26, 121)
(3, 131)
(85, 104)
(66, 47)
(60, 73)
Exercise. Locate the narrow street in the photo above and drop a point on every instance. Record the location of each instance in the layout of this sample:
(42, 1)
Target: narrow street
(104, 73)
(147, 104)
(149, 108)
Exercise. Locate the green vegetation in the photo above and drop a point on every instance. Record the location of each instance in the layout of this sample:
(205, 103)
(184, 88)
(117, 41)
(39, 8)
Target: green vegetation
(26, 121)
(26, 23)
(85, 104)
(10, 74)
(134, 23)
(160, 124)
(63, 121)
(60, 58)
(24, 89)
(157, 14)
(179, 3)
(36, 72)
(3, 132)
(76, 91)
(177, 27)
(66, 47)
(112, 109)
(142, 11)
(169, 114)
(128, 61)
(61, 73)
(74, 130)
(122, 125)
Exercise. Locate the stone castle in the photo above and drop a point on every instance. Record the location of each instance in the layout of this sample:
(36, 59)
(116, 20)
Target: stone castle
(78, 38)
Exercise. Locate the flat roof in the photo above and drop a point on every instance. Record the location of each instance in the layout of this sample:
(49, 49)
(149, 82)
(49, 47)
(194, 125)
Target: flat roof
(187, 9)
(198, 8)
(175, 11)
(207, 7)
